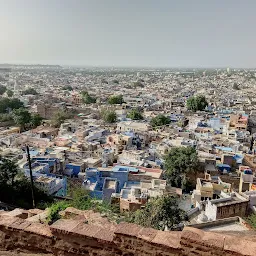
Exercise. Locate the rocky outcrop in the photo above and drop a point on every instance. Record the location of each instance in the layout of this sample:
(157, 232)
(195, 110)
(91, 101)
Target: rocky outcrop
(76, 236)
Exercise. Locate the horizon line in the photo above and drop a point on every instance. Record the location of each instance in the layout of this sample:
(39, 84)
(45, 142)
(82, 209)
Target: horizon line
(123, 66)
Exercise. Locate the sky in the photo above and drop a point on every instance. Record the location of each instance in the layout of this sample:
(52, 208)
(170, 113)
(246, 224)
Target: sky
(129, 33)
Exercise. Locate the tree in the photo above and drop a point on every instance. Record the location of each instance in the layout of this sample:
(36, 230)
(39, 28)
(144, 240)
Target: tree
(16, 187)
(115, 99)
(8, 171)
(59, 118)
(138, 84)
(109, 116)
(15, 104)
(179, 162)
(22, 191)
(115, 81)
(9, 93)
(21, 117)
(6, 104)
(36, 120)
(104, 81)
(87, 98)
(2, 89)
(197, 103)
(160, 120)
(30, 91)
(236, 86)
(135, 114)
(159, 213)
(68, 88)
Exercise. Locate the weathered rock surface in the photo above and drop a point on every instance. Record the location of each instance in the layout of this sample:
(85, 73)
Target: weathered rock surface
(17, 253)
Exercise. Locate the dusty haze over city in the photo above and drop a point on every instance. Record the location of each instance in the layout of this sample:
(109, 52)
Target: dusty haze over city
(164, 33)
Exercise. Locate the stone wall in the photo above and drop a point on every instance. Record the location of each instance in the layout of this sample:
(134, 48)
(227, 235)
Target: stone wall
(232, 210)
(73, 237)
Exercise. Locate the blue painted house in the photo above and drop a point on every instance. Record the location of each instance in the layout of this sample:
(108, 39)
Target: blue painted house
(102, 183)
(75, 168)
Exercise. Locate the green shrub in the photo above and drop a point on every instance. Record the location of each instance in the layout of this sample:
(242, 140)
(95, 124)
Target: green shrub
(54, 210)
(197, 103)
(160, 120)
(115, 99)
(159, 213)
(252, 220)
(135, 114)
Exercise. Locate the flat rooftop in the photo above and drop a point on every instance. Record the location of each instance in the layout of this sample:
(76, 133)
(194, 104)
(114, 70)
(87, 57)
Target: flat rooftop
(133, 184)
(229, 201)
(206, 184)
(236, 226)
(44, 179)
(37, 168)
(233, 224)
(110, 183)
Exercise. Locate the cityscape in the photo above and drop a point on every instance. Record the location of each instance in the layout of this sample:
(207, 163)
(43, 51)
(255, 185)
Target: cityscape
(121, 155)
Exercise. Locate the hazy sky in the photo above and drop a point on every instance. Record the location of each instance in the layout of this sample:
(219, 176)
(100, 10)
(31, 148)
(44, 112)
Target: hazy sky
(164, 33)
